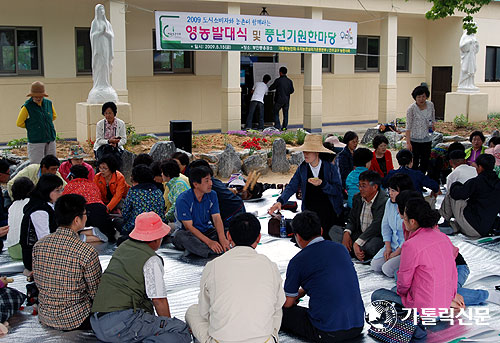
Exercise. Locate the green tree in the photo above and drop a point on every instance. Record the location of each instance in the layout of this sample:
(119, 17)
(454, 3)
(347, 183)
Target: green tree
(445, 8)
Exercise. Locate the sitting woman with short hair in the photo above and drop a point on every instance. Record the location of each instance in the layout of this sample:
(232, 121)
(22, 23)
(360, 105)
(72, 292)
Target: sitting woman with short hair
(97, 214)
(111, 133)
(387, 259)
(144, 196)
(111, 183)
(382, 158)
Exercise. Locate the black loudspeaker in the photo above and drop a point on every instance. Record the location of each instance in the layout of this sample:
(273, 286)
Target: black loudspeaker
(181, 133)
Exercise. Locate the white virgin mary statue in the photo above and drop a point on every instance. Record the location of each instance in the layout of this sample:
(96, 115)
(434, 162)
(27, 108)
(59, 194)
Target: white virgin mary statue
(101, 41)
(469, 47)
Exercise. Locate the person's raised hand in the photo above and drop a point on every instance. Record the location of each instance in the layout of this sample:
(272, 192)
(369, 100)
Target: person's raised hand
(274, 208)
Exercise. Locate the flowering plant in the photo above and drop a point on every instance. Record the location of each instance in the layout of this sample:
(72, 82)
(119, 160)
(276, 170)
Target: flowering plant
(253, 144)
(238, 133)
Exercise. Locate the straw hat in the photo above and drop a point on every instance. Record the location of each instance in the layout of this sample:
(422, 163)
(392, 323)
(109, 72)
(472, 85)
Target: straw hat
(335, 141)
(149, 227)
(495, 152)
(37, 89)
(76, 151)
(313, 143)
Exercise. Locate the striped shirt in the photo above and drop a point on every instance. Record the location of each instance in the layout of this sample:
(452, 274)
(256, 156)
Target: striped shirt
(67, 272)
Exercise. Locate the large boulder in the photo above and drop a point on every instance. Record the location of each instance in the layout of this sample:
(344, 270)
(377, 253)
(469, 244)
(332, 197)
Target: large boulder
(279, 162)
(454, 138)
(437, 137)
(162, 150)
(229, 162)
(255, 162)
(369, 135)
(296, 157)
(127, 162)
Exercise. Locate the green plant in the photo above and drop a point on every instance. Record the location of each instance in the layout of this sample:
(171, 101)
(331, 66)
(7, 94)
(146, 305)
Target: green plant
(288, 136)
(301, 135)
(494, 115)
(460, 121)
(18, 143)
(58, 138)
(133, 138)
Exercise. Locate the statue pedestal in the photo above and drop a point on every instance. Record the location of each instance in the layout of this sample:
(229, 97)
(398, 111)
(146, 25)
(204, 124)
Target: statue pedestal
(474, 106)
(87, 116)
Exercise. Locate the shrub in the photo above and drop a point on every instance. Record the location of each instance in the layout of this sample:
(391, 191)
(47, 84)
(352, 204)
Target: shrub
(494, 115)
(18, 143)
(133, 138)
(288, 136)
(460, 121)
(301, 135)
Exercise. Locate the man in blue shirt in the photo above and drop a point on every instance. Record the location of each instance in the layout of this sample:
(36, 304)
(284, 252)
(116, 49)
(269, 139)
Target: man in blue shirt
(324, 271)
(202, 231)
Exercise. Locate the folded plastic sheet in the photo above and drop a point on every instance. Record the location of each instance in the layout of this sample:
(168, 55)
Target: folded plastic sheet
(182, 276)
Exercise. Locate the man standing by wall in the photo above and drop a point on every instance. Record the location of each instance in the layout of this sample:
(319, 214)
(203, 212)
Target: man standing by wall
(258, 92)
(284, 87)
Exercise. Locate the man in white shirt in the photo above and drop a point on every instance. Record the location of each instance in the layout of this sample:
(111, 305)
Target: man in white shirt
(462, 172)
(258, 91)
(241, 295)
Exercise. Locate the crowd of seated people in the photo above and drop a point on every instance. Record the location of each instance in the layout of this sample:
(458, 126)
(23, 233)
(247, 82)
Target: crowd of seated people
(389, 225)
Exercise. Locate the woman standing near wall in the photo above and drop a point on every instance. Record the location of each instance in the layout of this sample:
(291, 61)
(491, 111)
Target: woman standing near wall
(420, 119)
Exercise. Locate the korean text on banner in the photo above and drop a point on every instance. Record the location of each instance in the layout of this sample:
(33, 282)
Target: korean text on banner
(225, 32)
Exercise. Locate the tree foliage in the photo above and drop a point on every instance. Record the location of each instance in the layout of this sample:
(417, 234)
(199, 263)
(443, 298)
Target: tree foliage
(445, 8)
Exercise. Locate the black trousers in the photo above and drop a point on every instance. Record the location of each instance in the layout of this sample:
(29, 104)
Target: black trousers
(99, 217)
(421, 155)
(296, 321)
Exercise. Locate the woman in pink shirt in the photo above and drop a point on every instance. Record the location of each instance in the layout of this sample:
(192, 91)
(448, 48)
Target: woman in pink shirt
(427, 276)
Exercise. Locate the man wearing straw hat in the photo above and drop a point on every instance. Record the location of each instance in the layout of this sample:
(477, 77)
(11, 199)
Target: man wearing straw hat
(37, 115)
(132, 288)
(320, 183)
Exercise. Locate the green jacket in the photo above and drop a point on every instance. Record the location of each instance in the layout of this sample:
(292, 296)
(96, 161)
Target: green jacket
(122, 284)
(39, 125)
(468, 151)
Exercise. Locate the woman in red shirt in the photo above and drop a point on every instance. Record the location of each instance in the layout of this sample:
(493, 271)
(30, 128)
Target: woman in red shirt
(382, 158)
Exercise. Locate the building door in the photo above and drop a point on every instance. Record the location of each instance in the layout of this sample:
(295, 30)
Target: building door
(441, 84)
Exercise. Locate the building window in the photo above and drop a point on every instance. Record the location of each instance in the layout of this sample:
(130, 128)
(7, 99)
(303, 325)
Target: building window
(171, 61)
(20, 51)
(83, 51)
(367, 55)
(326, 63)
(492, 70)
(403, 59)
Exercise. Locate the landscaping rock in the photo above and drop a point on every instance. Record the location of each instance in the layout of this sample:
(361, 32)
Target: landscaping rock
(437, 137)
(393, 138)
(127, 161)
(214, 168)
(19, 167)
(279, 163)
(244, 153)
(454, 138)
(162, 150)
(229, 162)
(256, 163)
(296, 157)
(210, 158)
(466, 144)
(369, 135)
(152, 135)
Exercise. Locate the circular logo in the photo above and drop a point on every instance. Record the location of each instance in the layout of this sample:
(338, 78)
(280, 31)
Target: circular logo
(381, 315)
